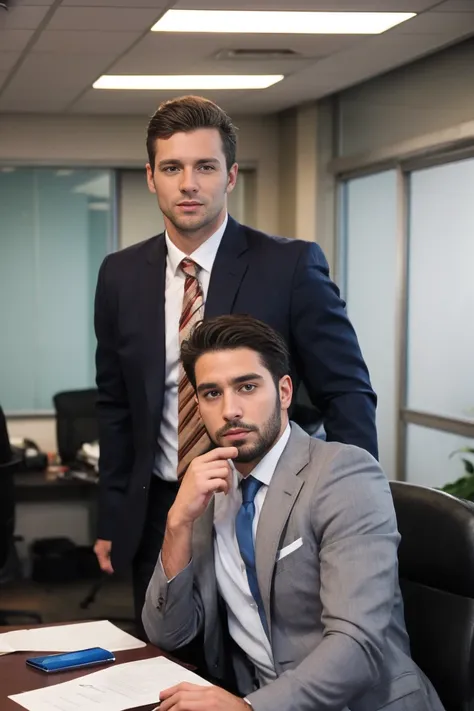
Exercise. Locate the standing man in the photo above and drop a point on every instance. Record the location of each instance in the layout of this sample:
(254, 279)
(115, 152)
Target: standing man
(280, 549)
(149, 296)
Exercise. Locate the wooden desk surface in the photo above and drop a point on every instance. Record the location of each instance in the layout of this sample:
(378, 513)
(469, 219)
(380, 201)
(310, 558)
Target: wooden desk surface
(16, 676)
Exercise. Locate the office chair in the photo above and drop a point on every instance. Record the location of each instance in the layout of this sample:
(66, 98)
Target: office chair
(436, 570)
(8, 465)
(76, 422)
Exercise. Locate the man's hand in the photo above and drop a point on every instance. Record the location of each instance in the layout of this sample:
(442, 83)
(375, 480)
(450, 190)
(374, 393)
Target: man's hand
(192, 697)
(103, 549)
(205, 476)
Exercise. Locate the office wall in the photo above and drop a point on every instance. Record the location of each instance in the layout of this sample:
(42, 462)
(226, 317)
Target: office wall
(307, 190)
(120, 142)
(423, 97)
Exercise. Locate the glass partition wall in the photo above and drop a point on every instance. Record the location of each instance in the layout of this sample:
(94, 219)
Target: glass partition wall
(56, 226)
(407, 244)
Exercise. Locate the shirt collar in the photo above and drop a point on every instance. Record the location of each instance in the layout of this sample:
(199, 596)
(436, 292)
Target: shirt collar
(265, 469)
(204, 255)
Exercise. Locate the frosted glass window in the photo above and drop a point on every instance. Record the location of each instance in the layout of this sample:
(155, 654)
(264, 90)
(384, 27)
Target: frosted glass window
(428, 459)
(370, 217)
(55, 230)
(441, 290)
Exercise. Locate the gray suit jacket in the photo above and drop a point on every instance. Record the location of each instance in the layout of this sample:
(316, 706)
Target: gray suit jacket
(336, 616)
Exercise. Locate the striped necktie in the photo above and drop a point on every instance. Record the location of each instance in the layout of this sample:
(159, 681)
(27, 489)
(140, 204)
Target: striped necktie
(192, 436)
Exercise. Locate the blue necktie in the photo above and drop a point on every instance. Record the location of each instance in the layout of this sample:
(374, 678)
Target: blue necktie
(243, 530)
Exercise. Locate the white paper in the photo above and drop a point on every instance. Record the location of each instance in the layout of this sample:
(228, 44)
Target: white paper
(116, 688)
(69, 638)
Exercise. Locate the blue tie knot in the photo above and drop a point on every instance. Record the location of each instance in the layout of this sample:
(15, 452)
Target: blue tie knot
(249, 487)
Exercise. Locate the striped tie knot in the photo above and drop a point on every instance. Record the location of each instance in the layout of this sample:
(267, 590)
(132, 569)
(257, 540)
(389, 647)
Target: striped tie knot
(189, 267)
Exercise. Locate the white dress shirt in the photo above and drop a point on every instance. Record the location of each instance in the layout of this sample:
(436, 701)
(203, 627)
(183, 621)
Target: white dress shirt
(245, 625)
(166, 459)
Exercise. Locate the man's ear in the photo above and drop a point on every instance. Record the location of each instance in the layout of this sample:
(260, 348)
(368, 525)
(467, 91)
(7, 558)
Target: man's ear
(285, 387)
(149, 178)
(232, 178)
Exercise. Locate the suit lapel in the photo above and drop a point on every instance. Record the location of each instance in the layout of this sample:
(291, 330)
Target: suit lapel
(228, 270)
(151, 292)
(279, 501)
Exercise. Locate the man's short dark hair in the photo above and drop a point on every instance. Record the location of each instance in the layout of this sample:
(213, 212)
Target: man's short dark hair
(188, 113)
(236, 331)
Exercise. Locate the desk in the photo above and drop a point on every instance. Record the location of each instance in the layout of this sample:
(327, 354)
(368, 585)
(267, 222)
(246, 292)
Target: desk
(43, 502)
(16, 677)
(36, 486)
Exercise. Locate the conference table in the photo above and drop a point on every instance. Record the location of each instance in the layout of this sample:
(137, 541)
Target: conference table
(16, 676)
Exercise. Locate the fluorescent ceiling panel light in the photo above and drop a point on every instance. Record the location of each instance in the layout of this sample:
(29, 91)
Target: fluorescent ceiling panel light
(185, 83)
(261, 22)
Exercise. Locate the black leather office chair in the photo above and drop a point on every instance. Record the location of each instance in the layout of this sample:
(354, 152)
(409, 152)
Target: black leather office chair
(436, 569)
(8, 465)
(76, 421)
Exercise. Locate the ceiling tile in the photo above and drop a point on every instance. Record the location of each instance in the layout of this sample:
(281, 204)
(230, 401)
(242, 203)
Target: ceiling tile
(103, 18)
(144, 102)
(381, 54)
(22, 18)
(113, 3)
(43, 81)
(156, 53)
(314, 5)
(70, 42)
(15, 40)
(456, 6)
(21, 3)
(7, 60)
(436, 23)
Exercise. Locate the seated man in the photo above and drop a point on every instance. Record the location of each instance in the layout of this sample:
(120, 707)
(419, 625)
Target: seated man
(296, 536)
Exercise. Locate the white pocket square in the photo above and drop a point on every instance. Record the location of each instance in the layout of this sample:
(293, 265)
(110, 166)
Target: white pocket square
(283, 552)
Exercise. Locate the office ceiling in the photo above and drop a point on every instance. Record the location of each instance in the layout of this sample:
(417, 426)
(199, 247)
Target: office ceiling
(51, 51)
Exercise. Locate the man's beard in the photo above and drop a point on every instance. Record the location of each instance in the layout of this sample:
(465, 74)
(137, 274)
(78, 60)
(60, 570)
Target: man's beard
(267, 436)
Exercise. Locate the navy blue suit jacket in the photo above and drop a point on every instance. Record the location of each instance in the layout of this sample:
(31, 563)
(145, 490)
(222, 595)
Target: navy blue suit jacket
(283, 282)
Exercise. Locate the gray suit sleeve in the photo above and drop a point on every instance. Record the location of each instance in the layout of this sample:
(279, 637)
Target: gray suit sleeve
(354, 522)
(173, 613)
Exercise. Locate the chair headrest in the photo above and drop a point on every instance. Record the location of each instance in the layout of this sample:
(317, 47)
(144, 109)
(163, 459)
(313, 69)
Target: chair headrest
(437, 538)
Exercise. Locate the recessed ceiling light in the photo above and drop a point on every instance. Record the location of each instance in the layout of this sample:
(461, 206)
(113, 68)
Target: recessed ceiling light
(274, 22)
(185, 83)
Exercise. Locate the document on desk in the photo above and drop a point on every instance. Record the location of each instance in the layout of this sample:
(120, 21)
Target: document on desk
(69, 638)
(116, 688)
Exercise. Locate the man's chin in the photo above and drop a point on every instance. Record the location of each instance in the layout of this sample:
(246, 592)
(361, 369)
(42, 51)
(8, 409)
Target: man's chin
(189, 224)
(245, 455)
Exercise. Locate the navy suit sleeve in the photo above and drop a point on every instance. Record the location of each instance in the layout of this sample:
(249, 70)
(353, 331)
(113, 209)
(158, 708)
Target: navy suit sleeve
(327, 354)
(115, 431)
